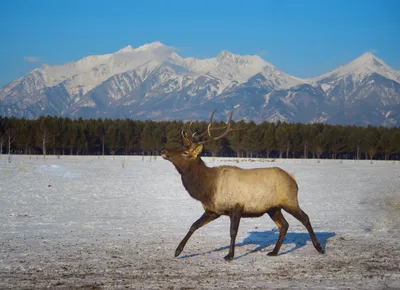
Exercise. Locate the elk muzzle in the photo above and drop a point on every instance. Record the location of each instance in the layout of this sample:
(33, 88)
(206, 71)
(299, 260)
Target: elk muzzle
(164, 154)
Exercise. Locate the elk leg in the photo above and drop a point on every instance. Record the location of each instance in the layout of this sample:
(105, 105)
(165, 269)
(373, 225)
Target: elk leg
(303, 218)
(235, 220)
(277, 216)
(202, 221)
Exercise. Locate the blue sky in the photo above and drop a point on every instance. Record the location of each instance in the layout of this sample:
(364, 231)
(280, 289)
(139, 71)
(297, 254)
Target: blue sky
(302, 38)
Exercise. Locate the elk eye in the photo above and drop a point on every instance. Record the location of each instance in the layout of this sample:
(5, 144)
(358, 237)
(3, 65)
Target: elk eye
(185, 153)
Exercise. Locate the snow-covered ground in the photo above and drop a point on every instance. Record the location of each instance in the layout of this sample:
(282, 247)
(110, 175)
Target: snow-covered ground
(115, 223)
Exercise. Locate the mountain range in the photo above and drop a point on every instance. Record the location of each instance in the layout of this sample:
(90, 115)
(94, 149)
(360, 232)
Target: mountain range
(154, 82)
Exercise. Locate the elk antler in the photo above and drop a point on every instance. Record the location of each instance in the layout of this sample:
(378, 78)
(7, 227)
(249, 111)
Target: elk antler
(228, 130)
(189, 137)
(196, 138)
(185, 137)
(205, 133)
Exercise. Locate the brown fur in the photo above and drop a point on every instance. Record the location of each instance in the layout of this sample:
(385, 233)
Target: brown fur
(237, 192)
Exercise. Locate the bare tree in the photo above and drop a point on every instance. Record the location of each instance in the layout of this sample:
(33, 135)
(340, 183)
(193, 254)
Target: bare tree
(10, 137)
(371, 152)
(45, 134)
(1, 143)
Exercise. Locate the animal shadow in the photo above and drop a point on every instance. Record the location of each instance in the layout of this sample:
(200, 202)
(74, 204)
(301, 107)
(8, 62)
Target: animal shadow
(269, 238)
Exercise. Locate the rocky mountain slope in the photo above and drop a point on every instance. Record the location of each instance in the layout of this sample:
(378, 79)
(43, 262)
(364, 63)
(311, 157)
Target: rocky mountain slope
(154, 82)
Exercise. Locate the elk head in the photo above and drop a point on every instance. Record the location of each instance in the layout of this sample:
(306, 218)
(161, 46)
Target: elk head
(186, 155)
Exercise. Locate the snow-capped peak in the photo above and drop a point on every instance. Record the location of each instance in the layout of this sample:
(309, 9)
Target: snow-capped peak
(225, 54)
(150, 46)
(362, 66)
(227, 67)
(126, 49)
(146, 47)
(83, 75)
(367, 60)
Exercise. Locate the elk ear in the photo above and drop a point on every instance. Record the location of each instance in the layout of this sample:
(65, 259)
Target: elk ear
(196, 151)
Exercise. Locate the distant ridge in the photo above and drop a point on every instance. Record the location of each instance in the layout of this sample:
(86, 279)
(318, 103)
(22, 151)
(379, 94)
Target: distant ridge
(153, 82)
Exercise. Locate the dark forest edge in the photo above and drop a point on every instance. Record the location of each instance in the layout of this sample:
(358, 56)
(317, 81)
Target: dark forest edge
(65, 136)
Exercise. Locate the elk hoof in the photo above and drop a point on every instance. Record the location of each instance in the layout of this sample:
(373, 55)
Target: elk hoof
(178, 252)
(228, 257)
(319, 249)
(272, 254)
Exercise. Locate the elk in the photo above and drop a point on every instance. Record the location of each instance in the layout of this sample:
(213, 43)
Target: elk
(233, 191)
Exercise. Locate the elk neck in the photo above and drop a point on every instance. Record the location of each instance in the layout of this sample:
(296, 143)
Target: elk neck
(199, 180)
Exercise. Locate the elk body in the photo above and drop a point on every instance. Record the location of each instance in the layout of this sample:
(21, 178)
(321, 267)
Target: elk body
(236, 192)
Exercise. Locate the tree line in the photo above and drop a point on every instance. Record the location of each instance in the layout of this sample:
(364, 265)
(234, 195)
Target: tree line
(65, 136)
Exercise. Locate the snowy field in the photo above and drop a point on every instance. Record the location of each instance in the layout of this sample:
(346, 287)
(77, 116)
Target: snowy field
(88, 222)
